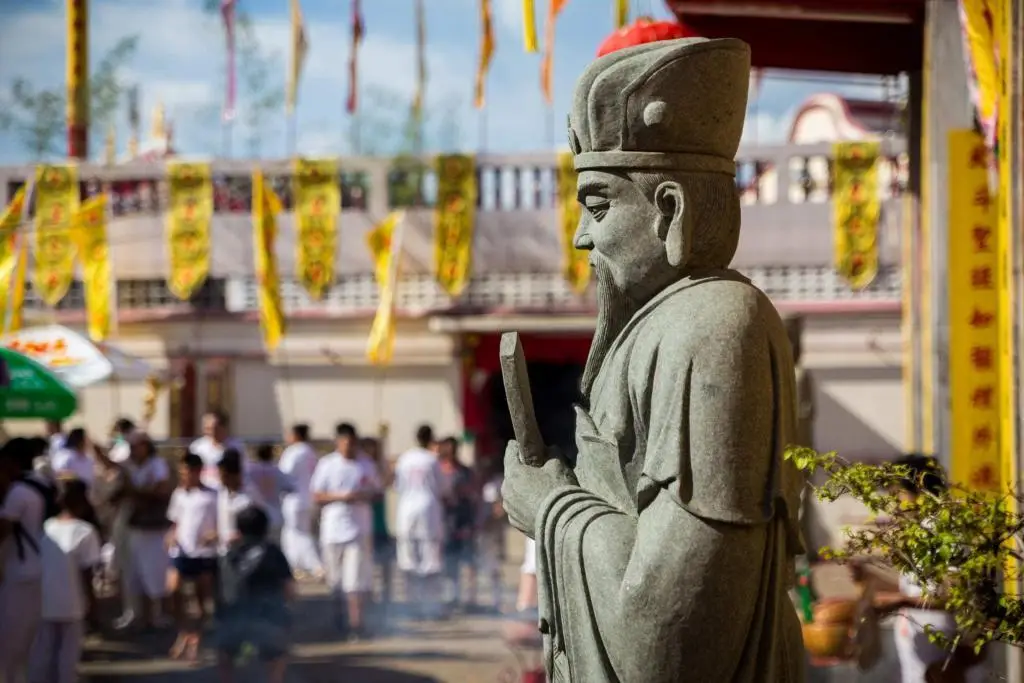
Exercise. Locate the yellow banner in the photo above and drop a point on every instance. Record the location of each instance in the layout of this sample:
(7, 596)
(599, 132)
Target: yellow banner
(1007, 26)
(486, 52)
(575, 263)
(530, 25)
(973, 330)
(265, 207)
(857, 210)
(56, 204)
(317, 205)
(379, 241)
(10, 221)
(17, 306)
(380, 346)
(978, 19)
(188, 226)
(547, 64)
(97, 278)
(454, 217)
(621, 13)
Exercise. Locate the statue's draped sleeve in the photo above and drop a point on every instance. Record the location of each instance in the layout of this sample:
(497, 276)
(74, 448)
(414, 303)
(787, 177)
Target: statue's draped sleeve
(692, 583)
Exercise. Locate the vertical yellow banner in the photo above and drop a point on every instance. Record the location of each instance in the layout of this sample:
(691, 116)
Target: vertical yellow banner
(265, 207)
(857, 210)
(454, 217)
(56, 205)
(317, 205)
(575, 263)
(97, 278)
(486, 53)
(379, 242)
(380, 346)
(10, 221)
(530, 25)
(974, 385)
(17, 305)
(189, 214)
(621, 13)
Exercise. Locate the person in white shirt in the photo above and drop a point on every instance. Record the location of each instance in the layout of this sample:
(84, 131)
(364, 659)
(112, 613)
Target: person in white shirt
(21, 569)
(527, 598)
(211, 446)
(270, 484)
(54, 435)
(70, 553)
(120, 448)
(344, 484)
(192, 541)
(148, 491)
(73, 461)
(419, 523)
(233, 496)
(298, 462)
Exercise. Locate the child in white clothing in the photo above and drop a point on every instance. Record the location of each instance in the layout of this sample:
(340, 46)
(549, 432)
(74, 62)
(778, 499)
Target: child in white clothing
(70, 551)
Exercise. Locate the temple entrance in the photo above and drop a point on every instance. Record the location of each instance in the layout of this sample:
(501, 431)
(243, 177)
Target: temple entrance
(555, 388)
(555, 365)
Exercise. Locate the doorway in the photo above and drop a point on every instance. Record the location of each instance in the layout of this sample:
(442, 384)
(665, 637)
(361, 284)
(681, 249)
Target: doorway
(555, 388)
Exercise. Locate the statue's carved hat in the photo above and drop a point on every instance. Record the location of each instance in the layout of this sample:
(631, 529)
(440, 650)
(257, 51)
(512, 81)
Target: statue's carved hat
(669, 105)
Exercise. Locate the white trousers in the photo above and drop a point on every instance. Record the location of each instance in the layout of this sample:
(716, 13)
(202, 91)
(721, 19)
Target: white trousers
(21, 609)
(149, 564)
(297, 542)
(56, 651)
(419, 557)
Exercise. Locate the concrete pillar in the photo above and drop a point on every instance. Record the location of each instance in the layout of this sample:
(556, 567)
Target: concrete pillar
(946, 106)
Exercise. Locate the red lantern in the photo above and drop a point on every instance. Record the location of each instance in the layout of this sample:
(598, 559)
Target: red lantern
(644, 30)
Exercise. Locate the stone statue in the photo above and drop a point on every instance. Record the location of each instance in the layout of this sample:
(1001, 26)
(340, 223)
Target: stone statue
(665, 552)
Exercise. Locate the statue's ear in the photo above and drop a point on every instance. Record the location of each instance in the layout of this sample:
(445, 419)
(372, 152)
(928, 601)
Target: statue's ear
(675, 224)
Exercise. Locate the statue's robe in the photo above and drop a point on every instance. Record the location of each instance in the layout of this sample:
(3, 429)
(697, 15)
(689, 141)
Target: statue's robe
(672, 560)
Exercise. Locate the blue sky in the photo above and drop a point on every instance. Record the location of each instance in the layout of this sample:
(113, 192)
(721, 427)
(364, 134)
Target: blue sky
(181, 56)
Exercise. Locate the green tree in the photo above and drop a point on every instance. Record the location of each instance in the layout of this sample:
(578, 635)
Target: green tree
(37, 116)
(960, 545)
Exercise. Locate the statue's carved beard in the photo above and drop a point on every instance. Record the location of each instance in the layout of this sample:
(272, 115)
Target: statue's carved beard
(614, 310)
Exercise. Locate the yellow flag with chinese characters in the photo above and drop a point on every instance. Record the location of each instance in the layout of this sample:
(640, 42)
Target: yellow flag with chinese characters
(97, 277)
(380, 346)
(575, 262)
(189, 215)
(379, 241)
(317, 205)
(10, 221)
(857, 210)
(265, 207)
(973, 328)
(454, 218)
(530, 25)
(57, 202)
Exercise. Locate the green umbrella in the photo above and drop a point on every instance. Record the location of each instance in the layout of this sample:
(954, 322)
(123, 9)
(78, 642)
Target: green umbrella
(28, 391)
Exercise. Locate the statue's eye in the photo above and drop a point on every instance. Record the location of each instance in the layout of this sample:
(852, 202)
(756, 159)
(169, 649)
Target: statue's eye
(596, 206)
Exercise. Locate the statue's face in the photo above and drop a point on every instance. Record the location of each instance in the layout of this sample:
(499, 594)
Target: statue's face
(619, 226)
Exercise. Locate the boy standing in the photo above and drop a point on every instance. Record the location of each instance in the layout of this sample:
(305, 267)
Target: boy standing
(232, 497)
(192, 540)
(345, 484)
(70, 552)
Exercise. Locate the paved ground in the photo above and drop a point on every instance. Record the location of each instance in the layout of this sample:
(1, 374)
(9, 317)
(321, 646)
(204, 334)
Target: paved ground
(460, 650)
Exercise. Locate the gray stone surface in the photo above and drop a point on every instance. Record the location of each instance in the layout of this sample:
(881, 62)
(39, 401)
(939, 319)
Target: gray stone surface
(665, 551)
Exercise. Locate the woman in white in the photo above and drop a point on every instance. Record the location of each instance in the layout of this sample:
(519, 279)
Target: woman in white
(21, 531)
(527, 599)
(70, 552)
(72, 460)
(148, 492)
(419, 523)
(299, 462)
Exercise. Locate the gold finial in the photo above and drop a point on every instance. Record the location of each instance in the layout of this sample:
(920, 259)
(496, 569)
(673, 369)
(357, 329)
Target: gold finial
(111, 148)
(133, 146)
(159, 130)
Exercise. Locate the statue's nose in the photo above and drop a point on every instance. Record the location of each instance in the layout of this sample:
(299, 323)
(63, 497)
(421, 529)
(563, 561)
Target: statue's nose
(582, 240)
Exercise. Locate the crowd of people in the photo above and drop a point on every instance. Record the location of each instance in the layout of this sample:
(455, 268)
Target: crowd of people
(222, 535)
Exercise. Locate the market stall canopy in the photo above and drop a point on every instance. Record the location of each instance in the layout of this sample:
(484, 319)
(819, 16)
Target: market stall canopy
(29, 391)
(75, 359)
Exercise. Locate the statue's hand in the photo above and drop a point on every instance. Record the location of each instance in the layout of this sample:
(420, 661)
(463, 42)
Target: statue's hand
(526, 487)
